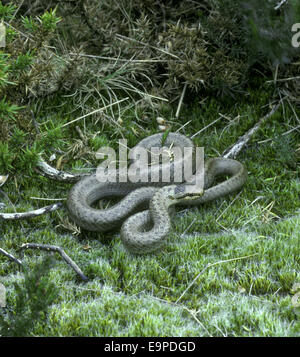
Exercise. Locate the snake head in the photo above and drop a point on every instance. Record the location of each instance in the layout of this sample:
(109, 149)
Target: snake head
(186, 192)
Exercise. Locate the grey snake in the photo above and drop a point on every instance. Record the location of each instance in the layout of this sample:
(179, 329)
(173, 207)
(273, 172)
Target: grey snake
(145, 231)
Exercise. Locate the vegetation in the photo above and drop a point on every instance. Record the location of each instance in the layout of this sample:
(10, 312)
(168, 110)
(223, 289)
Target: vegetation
(230, 267)
(33, 298)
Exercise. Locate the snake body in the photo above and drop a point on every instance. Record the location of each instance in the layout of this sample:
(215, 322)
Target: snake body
(145, 231)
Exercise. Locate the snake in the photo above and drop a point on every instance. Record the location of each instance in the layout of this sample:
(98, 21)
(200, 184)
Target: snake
(144, 214)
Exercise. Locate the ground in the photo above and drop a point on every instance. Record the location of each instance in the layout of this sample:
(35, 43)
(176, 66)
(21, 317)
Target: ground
(228, 267)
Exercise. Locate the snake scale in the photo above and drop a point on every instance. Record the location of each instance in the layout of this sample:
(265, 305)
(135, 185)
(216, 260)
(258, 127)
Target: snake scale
(145, 231)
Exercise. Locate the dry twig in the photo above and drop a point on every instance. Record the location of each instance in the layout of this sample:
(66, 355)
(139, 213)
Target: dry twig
(95, 111)
(280, 4)
(11, 257)
(50, 172)
(243, 140)
(59, 250)
(180, 101)
(31, 214)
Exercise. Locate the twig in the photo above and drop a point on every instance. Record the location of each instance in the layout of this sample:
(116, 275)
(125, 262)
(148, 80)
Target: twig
(50, 172)
(283, 79)
(16, 11)
(237, 196)
(59, 250)
(47, 199)
(243, 140)
(209, 266)
(120, 59)
(35, 124)
(184, 125)
(7, 198)
(30, 214)
(95, 111)
(293, 110)
(207, 126)
(188, 227)
(11, 257)
(280, 4)
(285, 133)
(180, 101)
(80, 133)
(28, 37)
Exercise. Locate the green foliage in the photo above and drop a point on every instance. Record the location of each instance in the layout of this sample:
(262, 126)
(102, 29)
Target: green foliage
(49, 20)
(27, 59)
(214, 46)
(18, 137)
(4, 70)
(7, 11)
(6, 157)
(32, 301)
(29, 23)
(29, 158)
(8, 110)
(22, 62)
(102, 51)
(52, 137)
(21, 67)
(46, 23)
(131, 295)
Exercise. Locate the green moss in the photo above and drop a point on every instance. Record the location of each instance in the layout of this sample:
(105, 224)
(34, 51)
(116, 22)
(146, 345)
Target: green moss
(250, 226)
(228, 267)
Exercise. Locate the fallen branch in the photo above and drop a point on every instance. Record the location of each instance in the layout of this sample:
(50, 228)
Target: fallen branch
(11, 257)
(31, 214)
(59, 250)
(233, 152)
(50, 172)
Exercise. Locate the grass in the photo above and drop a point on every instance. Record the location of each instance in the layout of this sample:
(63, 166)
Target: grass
(227, 269)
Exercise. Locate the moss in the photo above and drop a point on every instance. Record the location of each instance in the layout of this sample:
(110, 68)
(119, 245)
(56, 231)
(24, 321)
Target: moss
(228, 267)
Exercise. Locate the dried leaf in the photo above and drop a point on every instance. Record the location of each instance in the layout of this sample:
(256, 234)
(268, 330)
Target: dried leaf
(3, 179)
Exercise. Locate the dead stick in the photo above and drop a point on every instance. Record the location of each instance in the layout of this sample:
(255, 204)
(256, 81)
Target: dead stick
(180, 101)
(51, 172)
(11, 257)
(59, 250)
(31, 214)
(280, 4)
(243, 140)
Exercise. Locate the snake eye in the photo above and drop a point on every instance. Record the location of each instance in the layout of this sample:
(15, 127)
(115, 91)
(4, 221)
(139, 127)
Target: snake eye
(179, 189)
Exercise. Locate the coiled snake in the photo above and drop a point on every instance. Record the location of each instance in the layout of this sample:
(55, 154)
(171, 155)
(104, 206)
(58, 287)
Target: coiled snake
(145, 231)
